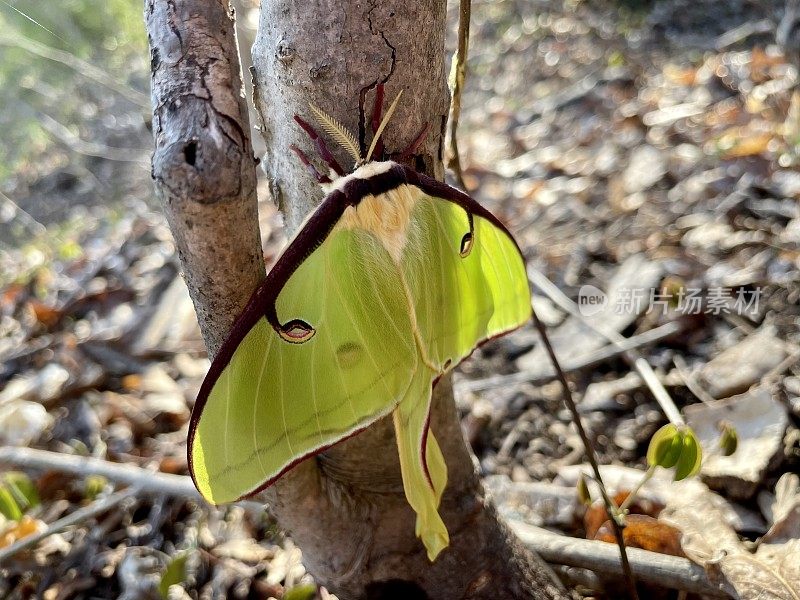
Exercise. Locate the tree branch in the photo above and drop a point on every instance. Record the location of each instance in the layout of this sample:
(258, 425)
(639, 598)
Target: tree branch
(203, 165)
(346, 509)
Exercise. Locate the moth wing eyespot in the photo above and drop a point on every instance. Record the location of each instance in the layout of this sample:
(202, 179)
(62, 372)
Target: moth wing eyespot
(296, 331)
(466, 244)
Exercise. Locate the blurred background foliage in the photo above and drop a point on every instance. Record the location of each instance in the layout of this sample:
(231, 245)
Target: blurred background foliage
(51, 57)
(74, 122)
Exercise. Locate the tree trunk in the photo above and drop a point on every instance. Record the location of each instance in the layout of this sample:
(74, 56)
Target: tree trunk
(345, 509)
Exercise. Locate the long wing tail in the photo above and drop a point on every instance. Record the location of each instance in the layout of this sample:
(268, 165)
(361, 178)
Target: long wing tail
(422, 466)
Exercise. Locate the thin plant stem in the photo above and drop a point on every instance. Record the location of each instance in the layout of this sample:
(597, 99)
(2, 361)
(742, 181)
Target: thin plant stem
(611, 509)
(458, 76)
(632, 495)
(639, 363)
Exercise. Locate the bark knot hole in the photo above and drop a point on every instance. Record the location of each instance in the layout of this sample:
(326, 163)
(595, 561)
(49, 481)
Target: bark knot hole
(395, 589)
(190, 152)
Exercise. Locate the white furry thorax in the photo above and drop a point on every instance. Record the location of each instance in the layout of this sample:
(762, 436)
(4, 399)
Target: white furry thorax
(386, 216)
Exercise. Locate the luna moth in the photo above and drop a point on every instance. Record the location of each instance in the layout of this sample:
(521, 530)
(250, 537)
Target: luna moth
(389, 284)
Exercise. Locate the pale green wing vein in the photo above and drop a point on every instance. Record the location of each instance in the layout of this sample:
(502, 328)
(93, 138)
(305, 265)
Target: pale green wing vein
(507, 263)
(227, 416)
(442, 255)
(364, 308)
(283, 404)
(385, 310)
(256, 404)
(354, 321)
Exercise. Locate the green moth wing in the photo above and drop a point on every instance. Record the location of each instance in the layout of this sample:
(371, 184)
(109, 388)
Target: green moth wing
(391, 282)
(278, 400)
(467, 283)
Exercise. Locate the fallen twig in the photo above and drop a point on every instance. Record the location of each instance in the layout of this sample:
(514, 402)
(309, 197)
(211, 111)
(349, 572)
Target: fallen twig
(82, 514)
(690, 381)
(146, 481)
(587, 360)
(600, 557)
(639, 363)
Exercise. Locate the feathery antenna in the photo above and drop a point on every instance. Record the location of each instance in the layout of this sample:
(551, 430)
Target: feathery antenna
(337, 131)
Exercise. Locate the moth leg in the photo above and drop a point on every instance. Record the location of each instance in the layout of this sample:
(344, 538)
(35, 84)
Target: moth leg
(414, 146)
(377, 114)
(322, 148)
(312, 169)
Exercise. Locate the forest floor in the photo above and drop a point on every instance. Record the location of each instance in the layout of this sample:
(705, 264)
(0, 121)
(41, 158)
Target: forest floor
(646, 156)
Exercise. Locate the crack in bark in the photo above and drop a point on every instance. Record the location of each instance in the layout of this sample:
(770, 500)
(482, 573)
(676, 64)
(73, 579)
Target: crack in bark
(362, 127)
(171, 11)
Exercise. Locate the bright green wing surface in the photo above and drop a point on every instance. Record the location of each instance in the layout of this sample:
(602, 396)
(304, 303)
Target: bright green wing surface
(386, 326)
(462, 294)
(276, 401)
(462, 300)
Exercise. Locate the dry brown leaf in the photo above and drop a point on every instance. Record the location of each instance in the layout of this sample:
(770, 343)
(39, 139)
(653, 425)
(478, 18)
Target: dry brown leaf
(681, 75)
(26, 526)
(785, 511)
(739, 144)
(647, 533)
(46, 315)
(596, 514)
(772, 572)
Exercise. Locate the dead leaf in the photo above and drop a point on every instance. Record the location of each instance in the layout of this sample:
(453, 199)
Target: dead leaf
(771, 572)
(785, 511)
(645, 532)
(47, 316)
(760, 421)
(596, 514)
(738, 143)
(17, 530)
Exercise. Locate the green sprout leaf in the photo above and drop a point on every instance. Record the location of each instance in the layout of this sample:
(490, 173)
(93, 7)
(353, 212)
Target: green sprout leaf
(665, 447)
(691, 456)
(23, 490)
(93, 486)
(729, 438)
(8, 506)
(584, 496)
(301, 592)
(174, 574)
(676, 447)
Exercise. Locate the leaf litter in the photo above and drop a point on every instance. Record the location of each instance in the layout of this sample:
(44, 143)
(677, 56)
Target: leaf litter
(629, 146)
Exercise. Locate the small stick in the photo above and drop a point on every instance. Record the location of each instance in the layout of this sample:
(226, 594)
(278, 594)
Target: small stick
(670, 572)
(690, 381)
(611, 509)
(587, 360)
(82, 514)
(640, 364)
(458, 76)
(148, 482)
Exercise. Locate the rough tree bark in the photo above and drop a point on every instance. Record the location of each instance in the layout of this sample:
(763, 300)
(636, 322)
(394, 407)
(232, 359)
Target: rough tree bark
(346, 508)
